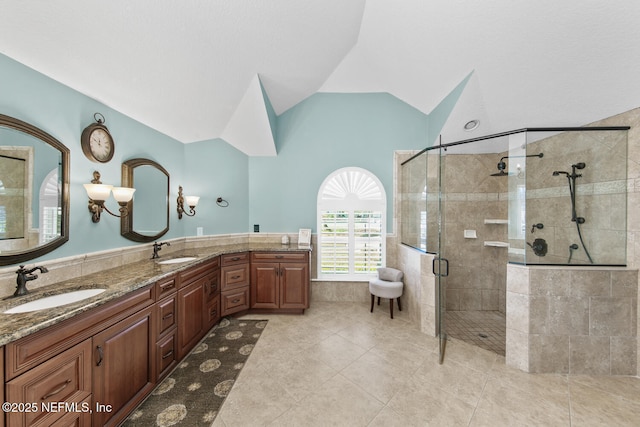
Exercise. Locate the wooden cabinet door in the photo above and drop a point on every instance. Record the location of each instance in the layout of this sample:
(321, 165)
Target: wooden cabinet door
(294, 285)
(123, 367)
(191, 316)
(264, 285)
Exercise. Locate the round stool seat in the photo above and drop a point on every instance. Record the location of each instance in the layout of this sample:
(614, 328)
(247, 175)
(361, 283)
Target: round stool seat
(384, 289)
(389, 285)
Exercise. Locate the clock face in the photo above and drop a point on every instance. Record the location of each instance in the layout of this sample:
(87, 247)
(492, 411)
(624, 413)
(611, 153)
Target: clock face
(101, 145)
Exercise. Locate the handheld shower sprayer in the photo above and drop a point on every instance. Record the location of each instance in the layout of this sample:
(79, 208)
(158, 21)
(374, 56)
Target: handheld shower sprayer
(572, 177)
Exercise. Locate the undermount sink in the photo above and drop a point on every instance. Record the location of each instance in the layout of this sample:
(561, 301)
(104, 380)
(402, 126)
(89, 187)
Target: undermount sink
(177, 260)
(55, 301)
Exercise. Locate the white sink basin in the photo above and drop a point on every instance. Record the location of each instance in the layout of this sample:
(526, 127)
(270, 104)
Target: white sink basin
(54, 301)
(177, 260)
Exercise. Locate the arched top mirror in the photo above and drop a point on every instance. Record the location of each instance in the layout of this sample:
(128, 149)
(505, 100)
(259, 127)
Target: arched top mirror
(148, 218)
(34, 192)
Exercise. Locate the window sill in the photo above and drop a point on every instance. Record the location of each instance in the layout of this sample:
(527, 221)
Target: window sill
(344, 279)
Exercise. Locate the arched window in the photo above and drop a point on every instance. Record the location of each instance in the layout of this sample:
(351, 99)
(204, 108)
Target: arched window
(351, 225)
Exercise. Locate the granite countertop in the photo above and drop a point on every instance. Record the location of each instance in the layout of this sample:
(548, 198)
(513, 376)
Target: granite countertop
(116, 282)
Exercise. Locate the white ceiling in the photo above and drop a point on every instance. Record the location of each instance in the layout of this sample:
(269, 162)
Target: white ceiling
(192, 69)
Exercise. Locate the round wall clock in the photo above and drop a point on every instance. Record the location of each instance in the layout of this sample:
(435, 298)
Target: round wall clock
(97, 142)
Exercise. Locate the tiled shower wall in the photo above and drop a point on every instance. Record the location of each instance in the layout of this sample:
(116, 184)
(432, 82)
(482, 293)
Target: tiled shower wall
(600, 197)
(477, 273)
(572, 320)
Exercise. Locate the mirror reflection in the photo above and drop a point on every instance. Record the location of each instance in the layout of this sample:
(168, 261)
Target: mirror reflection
(33, 191)
(148, 217)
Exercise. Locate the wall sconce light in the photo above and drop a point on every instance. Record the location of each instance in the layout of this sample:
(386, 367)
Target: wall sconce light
(192, 202)
(99, 192)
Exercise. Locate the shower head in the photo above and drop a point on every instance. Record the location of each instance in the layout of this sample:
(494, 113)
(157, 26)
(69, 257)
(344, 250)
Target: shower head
(580, 165)
(501, 167)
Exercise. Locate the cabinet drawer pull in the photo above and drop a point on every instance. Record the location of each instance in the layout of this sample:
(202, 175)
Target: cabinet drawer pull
(167, 316)
(101, 354)
(235, 277)
(214, 313)
(169, 353)
(166, 286)
(279, 256)
(57, 390)
(235, 300)
(235, 258)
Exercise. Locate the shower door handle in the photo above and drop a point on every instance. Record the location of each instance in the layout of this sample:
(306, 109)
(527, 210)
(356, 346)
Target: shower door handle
(439, 273)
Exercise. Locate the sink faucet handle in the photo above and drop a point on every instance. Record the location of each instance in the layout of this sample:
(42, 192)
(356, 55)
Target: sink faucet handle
(156, 247)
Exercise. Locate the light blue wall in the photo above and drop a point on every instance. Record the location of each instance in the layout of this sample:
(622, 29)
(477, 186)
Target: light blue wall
(216, 169)
(323, 133)
(63, 112)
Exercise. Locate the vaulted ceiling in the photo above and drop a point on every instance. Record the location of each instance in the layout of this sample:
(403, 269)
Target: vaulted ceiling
(197, 69)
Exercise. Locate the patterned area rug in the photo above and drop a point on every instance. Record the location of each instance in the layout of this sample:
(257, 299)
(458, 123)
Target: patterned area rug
(193, 393)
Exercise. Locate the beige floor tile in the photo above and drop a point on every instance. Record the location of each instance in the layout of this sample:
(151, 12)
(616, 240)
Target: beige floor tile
(335, 351)
(521, 407)
(338, 402)
(377, 376)
(459, 380)
(254, 403)
(590, 406)
(387, 417)
(624, 387)
(424, 404)
(364, 335)
(301, 375)
(338, 364)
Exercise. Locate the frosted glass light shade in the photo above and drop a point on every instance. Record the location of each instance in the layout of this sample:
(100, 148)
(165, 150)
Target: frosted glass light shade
(98, 191)
(123, 194)
(192, 201)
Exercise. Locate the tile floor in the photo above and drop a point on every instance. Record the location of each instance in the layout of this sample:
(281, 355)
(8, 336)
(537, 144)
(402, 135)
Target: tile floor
(485, 329)
(339, 365)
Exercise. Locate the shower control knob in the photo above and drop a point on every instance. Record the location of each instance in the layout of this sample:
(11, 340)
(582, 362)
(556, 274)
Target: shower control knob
(539, 226)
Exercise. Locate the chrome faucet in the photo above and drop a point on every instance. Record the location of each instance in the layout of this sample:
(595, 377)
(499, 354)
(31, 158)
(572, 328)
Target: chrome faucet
(156, 247)
(25, 276)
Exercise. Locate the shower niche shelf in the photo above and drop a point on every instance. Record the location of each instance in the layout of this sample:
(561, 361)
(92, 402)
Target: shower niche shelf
(496, 221)
(496, 244)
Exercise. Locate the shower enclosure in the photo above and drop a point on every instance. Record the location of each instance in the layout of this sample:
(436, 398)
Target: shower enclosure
(536, 196)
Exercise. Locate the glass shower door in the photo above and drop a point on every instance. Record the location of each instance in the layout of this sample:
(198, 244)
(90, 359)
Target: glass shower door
(436, 199)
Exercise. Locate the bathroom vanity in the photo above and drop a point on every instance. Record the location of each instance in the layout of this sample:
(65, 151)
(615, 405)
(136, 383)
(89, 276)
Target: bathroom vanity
(92, 362)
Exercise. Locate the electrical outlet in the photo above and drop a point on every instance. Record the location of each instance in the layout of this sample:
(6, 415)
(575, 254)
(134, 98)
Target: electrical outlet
(199, 231)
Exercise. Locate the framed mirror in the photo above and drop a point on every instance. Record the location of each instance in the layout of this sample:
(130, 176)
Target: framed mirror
(34, 191)
(148, 217)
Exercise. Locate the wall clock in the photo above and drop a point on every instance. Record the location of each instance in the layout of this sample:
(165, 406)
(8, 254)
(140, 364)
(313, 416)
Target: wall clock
(97, 142)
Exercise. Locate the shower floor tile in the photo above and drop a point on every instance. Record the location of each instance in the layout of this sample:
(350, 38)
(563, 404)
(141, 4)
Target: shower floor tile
(485, 329)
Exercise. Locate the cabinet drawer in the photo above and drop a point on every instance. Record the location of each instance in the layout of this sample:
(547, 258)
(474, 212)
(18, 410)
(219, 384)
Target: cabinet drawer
(165, 287)
(232, 259)
(279, 256)
(166, 357)
(213, 312)
(235, 276)
(192, 274)
(64, 378)
(212, 285)
(234, 301)
(166, 315)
